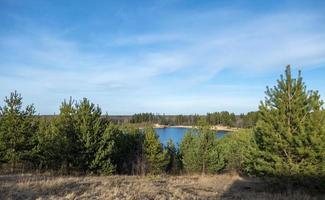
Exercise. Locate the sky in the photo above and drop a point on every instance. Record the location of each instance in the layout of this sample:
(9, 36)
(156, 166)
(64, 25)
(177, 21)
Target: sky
(163, 56)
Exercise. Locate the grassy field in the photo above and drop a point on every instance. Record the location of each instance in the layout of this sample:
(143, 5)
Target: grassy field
(226, 186)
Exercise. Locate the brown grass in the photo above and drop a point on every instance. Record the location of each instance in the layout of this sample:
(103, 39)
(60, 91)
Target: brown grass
(226, 186)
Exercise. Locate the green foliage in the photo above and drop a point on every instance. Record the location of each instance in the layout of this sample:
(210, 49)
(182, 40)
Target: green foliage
(151, 118)
(249, 120)
(196, 148)
(222, 118)
(89, 127)
(188, 150)
(64, 126)
(174, 164)
(144, 117)
(48, 151)
(286, 139)
(202, 152)
(129, 156)
(290, 133)
(206, 141)
(185, 120)
(17, 128)
(103, 159)
(234, 152)
(155, 154)
(74, 140)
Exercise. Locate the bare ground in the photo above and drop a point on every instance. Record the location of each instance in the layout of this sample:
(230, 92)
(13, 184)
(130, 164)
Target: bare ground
(226, 186)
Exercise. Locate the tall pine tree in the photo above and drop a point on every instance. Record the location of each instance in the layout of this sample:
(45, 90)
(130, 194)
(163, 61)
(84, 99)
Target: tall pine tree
(17, 127)
(290, 132)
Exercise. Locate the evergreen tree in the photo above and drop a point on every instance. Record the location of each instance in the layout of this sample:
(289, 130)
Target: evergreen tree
(221, 118)
(89, 127)
(206, 141)
(189, 153)
(290, 132)
(233, 152)
(196, 148)
(174, 162)
(64, 127)
(17, 127)
(249, 120)
(129, 155)
(49, 147)
(155, 155)
(103, 159)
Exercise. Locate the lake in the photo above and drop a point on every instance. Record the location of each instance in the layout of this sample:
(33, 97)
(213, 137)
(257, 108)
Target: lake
(176, 134)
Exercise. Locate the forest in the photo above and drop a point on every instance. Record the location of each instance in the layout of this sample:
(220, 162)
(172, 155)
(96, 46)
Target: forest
(284, 139)
(223, 118)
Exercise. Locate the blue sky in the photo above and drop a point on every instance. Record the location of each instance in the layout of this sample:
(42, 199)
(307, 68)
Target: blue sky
(166, 56)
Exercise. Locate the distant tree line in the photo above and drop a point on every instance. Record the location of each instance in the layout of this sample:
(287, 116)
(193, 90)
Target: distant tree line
(223, 118)
(288, 139)
(151, 118)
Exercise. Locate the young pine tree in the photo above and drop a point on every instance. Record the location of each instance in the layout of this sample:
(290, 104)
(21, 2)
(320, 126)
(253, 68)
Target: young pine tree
(128, 155)
(49, 147)
(174, 162)
(17, 127)
(234, 152)
(189, 152)
(154, 153)
(290, 132)
(197, 147)
(106, 149)
(206, 141)
(90, 128)
(64, 126)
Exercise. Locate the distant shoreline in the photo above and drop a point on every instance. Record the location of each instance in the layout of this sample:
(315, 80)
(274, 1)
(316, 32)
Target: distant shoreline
(215, 127)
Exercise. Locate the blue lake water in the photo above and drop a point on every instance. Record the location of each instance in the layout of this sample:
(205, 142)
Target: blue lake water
(176, 134)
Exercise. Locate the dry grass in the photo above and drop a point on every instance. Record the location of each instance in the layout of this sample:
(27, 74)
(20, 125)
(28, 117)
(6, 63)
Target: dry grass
(135, 187)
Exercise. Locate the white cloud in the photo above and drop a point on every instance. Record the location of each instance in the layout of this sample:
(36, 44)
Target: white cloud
(54, 64)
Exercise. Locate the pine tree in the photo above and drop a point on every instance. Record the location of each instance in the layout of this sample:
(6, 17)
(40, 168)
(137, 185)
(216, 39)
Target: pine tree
(233, 152)
(174, 162)
(49, 147)
(90, 128)
(290, 132)
(250, 119)
(196, 148)
(189, 153)
(64, 126)
(154, 153)
(17, 127)
(106, 149)
(128, 156)
(206, 141)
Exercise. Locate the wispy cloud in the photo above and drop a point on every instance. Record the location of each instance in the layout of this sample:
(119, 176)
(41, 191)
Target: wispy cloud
(152, 68)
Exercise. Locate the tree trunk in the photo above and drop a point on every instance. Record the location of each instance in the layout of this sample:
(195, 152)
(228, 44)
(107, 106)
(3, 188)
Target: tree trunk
(203, 168)
(13, 166)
